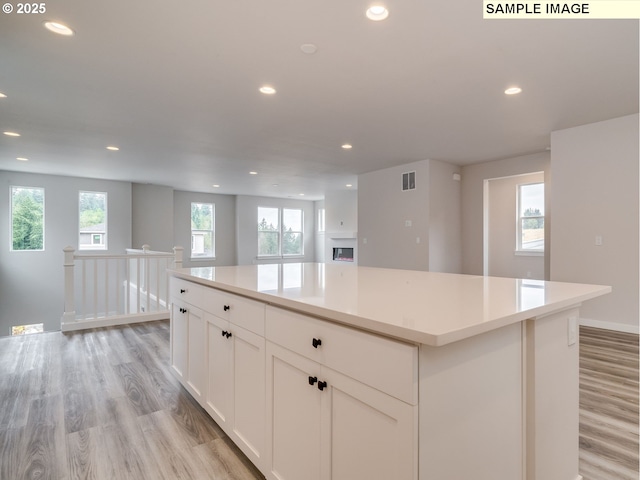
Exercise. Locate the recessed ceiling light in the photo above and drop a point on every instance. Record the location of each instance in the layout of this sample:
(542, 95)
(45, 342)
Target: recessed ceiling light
(377, 13)
(349, 185)
(22, 159)
(11, 134)
(275, 185)
(112, 148)
(301, 194)
(2, 95)
(513, 91)
(308, 48)
(59, 28)
(347, 146)
(267, 90)
(253, 173)
(215, 185)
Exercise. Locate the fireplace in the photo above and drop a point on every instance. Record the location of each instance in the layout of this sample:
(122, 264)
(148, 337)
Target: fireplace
(342, 254)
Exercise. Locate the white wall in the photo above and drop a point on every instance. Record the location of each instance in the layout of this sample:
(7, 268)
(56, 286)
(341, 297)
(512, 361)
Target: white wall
(445, 218)
(503, 214)
(341, 222)
(595, 193)
(473, 177)
(341, 211)
(320, 236)
(152, 217)
(31, 283)
(247, 228)
(415, 229)
(384, 209)
(225, 227)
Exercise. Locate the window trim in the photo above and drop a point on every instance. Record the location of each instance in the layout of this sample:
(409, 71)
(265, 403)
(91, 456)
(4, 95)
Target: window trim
(212, 231)
(519, 251)
(11, 189)
(105, 237)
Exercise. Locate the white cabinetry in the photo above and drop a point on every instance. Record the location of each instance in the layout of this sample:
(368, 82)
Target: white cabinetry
(236, 384)
(301, 397)
(218, 353)
(334, 410)
(188, 342)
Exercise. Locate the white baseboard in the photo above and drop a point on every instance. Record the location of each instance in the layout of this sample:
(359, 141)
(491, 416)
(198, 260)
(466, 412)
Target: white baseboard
(69, 326)
(618, 327)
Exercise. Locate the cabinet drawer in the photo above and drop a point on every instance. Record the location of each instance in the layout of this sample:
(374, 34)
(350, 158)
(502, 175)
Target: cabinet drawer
(246, 313)
(385, 364)
(186, 291)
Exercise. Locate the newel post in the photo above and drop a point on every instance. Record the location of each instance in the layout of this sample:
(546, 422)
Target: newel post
(145, 249)
(69, 303)
(177, 252)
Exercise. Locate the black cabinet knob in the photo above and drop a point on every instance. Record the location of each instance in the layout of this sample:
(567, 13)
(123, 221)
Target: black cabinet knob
(316, 342)
(226, 308)
(312, 380)
(182, 290)
(224, 333)
(183, 310)
(322, 385)
(228, 335)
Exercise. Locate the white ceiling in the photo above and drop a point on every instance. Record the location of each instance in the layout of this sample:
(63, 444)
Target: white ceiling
(175, 86)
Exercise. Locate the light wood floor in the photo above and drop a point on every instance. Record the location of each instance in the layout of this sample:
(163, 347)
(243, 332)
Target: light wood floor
(102, 405)
(608, 405)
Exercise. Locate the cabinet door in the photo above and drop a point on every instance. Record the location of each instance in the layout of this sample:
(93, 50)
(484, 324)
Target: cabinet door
(367, 434)
(196, 347)
(179, 339)
(294, 409)
(220, 363)
(249, 413)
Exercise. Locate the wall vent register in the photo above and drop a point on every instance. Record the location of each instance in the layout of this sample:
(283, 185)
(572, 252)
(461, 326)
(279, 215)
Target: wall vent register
(409, 181)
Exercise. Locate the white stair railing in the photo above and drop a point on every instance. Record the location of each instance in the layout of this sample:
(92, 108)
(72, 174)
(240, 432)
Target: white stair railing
(103, 290)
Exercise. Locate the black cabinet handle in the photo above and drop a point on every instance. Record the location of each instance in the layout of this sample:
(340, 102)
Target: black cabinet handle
(316, 342)
(322, 385)
(226, 308)
(312, 380)
(182, 290)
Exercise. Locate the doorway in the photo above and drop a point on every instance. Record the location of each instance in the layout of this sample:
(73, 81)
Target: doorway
(514, 226)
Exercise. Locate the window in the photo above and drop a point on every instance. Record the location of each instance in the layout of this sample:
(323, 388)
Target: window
(280, 231)
(531, 218)
(202, 230)
(27, 219)
(27, 329)
(93, 221)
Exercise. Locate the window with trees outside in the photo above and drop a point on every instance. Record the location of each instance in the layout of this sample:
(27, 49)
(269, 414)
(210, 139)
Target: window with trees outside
(27, 219)
(531, 218)
(202, 230)
(280, 231)
(93, 221)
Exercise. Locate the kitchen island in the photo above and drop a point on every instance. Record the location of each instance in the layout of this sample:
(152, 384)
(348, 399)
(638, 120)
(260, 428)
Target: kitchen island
(321, 371)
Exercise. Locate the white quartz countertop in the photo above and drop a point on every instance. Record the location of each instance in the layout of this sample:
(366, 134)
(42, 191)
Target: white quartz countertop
(421, 307)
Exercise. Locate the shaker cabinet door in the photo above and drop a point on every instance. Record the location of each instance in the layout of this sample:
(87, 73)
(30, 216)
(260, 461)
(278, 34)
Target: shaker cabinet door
(294, 403)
